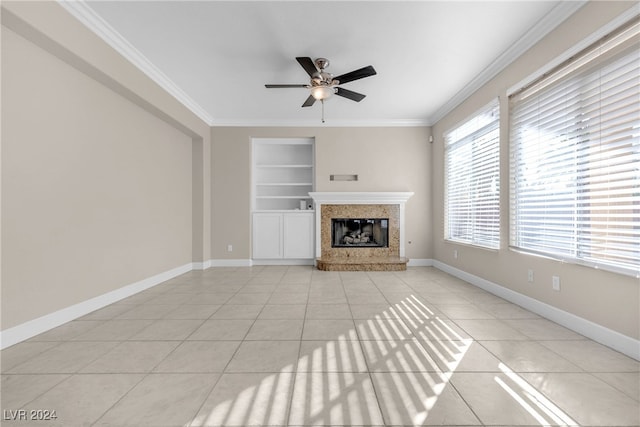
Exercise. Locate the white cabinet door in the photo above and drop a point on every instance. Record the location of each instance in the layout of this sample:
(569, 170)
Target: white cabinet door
(267, 235)
(298, 235)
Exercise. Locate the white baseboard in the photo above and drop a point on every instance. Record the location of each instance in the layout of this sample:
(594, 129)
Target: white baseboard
(29, 329)
(420, 262)
(594, 331)
(283, 262)
(201, 265)
(598, 333)
(230, 263)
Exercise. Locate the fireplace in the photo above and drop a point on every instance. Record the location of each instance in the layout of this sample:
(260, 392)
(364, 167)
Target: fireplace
(359, 232)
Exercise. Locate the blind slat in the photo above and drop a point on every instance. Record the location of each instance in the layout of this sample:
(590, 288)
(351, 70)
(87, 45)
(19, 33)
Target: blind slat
(575, 163)
(472, 161)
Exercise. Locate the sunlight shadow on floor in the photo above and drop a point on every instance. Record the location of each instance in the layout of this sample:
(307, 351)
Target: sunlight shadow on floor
(392, 368)
(534, 402)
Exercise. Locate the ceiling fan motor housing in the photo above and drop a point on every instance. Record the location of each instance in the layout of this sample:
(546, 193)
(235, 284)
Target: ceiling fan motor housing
(322, 63)
(321, 77)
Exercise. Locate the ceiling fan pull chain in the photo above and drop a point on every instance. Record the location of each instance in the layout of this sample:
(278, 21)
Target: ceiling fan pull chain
(322, 101)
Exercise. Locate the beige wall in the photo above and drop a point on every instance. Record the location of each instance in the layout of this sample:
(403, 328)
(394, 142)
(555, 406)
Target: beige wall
(385, 159)
(107, 179)
(101, 169)
(609, 299)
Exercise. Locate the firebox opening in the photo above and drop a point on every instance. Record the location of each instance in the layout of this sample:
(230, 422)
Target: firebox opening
(360, 232)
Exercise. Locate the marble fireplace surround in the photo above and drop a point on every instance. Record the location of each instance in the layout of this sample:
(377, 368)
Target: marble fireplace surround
(360, 205)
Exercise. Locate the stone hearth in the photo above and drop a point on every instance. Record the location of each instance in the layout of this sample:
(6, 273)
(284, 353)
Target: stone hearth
(360, 205)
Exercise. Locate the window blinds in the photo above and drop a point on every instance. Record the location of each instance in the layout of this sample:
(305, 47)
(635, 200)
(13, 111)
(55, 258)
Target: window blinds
(575, 158)
(472, 174)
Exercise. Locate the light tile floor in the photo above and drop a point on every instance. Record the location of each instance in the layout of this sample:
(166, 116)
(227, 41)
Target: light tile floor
(279, 346)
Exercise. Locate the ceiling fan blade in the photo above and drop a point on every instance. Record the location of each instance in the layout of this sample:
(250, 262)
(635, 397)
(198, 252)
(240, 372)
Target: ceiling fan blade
(281, 86)
(309, 102)
(354, 96)
(357, 74)
(308, 64)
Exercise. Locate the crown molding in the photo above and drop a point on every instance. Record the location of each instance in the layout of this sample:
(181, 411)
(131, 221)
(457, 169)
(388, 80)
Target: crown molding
(94, 22)
(549, 22)
(318, 123)
(83, 12)
(586, 42)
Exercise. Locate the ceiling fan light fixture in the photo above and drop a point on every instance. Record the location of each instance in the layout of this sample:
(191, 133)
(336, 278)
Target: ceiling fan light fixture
(321, 93)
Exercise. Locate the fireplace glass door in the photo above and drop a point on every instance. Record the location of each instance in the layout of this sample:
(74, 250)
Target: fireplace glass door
(360, 232)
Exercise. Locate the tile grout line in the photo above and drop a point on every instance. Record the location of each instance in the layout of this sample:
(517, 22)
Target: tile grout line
(148, 374)
(389, 301)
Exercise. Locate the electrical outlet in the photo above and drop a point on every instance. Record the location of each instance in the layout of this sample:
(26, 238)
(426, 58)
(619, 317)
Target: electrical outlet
(229, 248)
(530, 275)
(455, 254)
(555, 283)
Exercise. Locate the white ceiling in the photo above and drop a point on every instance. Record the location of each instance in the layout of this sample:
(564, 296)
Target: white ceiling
(216, 56)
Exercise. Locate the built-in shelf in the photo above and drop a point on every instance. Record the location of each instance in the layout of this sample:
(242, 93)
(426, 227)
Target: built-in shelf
(283, 173)
(282, 221)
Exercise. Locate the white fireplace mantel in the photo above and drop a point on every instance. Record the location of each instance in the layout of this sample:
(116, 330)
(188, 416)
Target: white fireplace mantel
(360, 198)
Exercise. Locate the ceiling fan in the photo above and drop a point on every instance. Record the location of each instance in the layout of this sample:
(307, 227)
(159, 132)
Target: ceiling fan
(324, 85)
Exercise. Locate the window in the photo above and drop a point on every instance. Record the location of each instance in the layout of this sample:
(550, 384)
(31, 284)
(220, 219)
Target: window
(472, 175)
(575, 158)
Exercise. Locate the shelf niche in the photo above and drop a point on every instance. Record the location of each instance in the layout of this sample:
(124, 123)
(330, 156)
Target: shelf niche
(283, 173)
